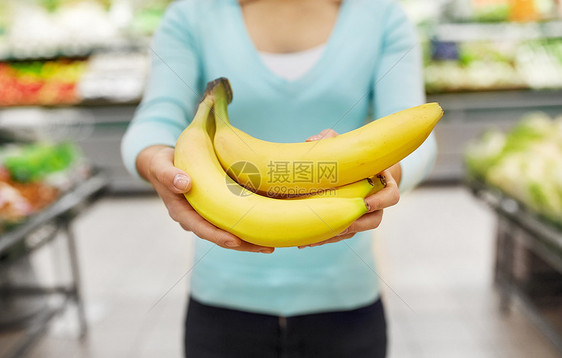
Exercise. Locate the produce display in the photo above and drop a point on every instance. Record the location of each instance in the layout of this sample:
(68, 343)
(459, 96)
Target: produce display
(279, 222)
(513, 10)
(33, 176)
(34, 162)
(487, 45)
(40, 83)
(47, 29)
(494, 65)
(115, 77)
(493, 11)
(525, 163)
(19, 200)
(49, 57)
(39, 29)
(540, 63)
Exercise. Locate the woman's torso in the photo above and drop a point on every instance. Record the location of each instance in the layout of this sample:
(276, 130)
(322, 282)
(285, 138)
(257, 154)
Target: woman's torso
(336, 93)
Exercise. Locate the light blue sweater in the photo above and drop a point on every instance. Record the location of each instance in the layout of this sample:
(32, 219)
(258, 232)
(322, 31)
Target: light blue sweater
(371, 67)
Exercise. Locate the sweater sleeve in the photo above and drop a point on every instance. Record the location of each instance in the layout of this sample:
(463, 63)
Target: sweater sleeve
(172, 88)
(398, 84)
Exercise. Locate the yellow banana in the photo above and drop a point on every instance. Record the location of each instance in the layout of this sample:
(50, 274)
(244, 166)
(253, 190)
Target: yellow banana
(359, 189)
(254, 218)
(307, 167)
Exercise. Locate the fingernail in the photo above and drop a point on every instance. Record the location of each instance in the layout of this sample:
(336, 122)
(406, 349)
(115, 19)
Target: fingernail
(344, 232)
(181, 181)
(265, 251)
(368, 207)
(232, 243)
(315, 137)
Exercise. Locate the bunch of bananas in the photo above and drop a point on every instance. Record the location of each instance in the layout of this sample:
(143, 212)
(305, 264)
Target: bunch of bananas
(293, 207)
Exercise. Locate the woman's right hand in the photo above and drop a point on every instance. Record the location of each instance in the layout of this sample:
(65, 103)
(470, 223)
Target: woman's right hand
(155, 164)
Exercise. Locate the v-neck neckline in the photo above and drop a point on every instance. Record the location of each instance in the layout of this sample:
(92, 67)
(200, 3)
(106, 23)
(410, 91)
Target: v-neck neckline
(253, 55)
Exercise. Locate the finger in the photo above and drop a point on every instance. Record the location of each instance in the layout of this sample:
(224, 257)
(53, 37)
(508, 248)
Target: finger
(388, 196)
(182, 212)
(330, 240)
(244, 246)
(326, 133)
(162, 168)
(366, 222)
(194, 222)
(224, 239)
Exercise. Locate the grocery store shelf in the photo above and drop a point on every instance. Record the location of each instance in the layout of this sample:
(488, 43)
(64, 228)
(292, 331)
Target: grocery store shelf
(73, 200)
(99, 103)
(520, 227)
(96, 128)
(547, 235)
(465, 32)
(468, 115)
(120, 44)
(31, 236)
(492, 100)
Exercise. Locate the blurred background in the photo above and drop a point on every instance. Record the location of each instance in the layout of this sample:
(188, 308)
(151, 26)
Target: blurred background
(476, 272)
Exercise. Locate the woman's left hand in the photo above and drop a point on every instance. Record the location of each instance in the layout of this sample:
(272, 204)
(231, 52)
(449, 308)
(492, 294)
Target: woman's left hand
(376, 203)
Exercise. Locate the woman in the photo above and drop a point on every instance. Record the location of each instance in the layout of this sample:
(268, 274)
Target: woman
(297, 67)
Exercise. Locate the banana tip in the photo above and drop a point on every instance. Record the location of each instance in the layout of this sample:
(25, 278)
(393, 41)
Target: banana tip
(437, 104)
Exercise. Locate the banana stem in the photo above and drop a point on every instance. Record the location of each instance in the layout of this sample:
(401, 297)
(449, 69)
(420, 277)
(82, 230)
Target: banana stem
(219, 84)
(221, 91)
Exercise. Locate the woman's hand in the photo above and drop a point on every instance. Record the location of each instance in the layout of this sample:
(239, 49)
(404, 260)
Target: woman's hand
(376, 202)
(155, 164)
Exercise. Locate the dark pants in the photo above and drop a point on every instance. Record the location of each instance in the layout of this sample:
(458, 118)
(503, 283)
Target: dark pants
(212, 332)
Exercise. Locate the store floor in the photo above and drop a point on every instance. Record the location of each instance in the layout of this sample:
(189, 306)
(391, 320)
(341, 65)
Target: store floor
(435, 255)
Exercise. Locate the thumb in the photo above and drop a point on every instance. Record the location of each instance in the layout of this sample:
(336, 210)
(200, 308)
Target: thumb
(181, 182)
(175, 179)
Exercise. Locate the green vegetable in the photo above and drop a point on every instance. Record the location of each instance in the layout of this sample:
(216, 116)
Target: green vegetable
(35, 161)
(525, 163)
